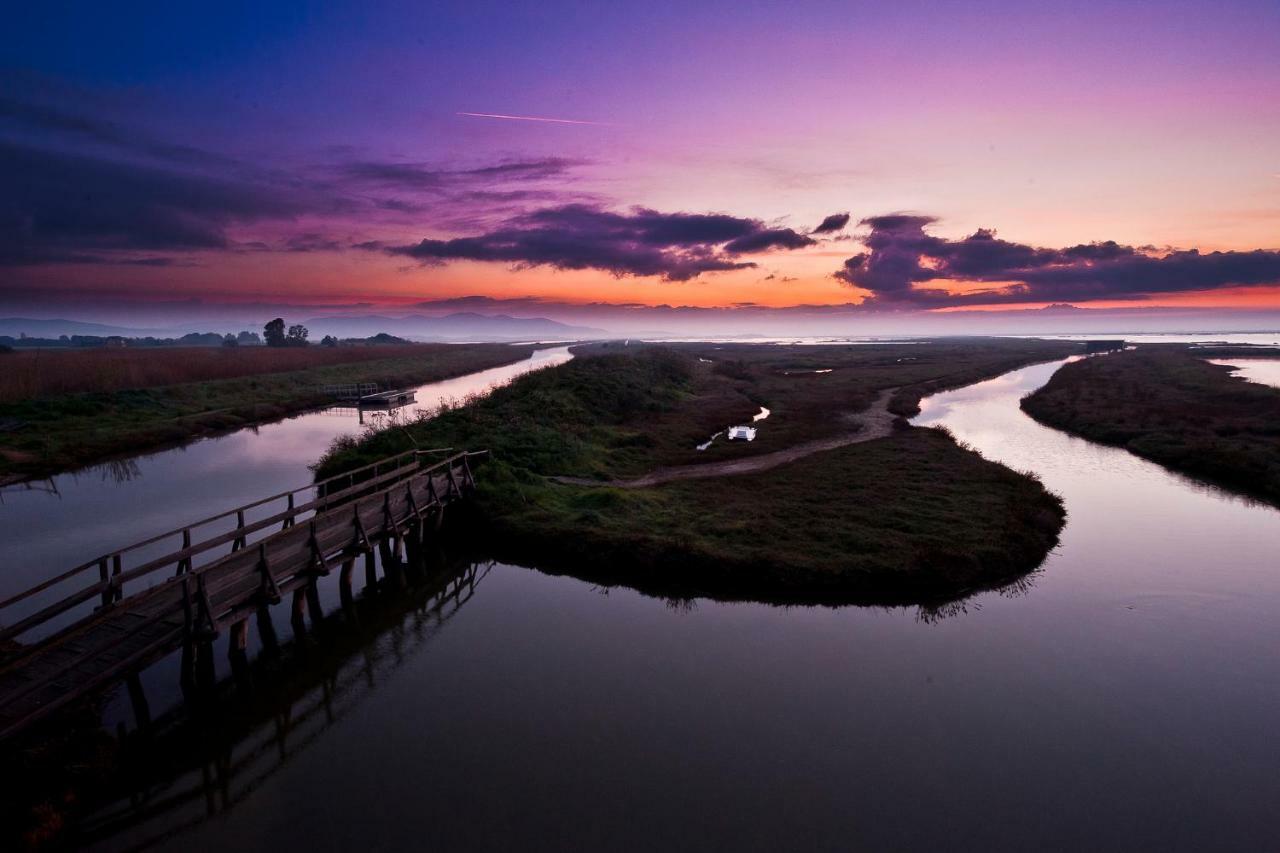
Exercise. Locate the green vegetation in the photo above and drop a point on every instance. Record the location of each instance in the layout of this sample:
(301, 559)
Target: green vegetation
(913, 516)
(1169, 406)
(45, 434)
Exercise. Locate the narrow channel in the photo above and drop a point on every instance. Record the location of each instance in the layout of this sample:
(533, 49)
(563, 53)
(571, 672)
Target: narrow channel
(1124, 697)
(73, 517)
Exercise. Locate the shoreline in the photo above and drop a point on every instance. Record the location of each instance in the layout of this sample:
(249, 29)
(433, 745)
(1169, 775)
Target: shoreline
(88, 444)
(1171, 406)
(908, 517)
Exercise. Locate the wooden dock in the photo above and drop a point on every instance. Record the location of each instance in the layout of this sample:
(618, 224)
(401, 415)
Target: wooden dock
(371, 395)
(188, 595)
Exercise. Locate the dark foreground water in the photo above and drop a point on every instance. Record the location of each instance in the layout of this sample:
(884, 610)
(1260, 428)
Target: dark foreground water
(1126, 698)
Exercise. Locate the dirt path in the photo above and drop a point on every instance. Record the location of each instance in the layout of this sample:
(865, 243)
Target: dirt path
(875, 422)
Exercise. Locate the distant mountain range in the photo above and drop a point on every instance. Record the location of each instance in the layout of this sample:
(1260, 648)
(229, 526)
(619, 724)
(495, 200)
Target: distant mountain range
(462, 326)
(15, 327)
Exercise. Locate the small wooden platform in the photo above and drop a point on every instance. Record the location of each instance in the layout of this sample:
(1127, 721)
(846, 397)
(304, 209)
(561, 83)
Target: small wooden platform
(377, 506)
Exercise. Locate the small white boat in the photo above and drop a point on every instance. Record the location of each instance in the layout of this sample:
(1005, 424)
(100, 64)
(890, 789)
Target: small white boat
(742, 433)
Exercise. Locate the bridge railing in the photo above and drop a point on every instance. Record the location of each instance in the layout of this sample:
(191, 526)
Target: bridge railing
(113, 573)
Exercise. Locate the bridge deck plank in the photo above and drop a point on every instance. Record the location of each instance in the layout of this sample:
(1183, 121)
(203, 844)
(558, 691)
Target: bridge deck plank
(148, 623)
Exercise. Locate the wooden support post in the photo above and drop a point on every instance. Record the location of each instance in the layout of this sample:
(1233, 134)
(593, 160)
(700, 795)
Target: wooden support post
(239, 639)
(454, 491)
(413, 546)
(205, 626)
(313, 604)
(104, 577)
(360, 537)
(184, 565)
(117, 584)
(370, 572)
(344, 586)
(391, 569)
(318, 563)
(239, 541)
(298, 614)
(238, 652)
(268, 590)
(288, 519)
(267, 631)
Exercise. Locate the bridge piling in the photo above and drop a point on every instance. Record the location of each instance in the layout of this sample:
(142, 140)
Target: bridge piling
(388, 509)
(238, 652)
(298, 612)
(267, 631)
(344, 585)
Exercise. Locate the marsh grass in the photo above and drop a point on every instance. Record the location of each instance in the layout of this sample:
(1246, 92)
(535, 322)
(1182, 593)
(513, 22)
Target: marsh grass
(36, 373)
(1172, 407)
(68, 430)
(913, 516)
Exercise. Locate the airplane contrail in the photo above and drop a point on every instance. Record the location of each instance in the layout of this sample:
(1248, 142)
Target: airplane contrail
(535, 118)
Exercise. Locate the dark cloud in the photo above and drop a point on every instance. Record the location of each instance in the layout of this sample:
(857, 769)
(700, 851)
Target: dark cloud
(771, 238)
(675, 246)
(901, 256)
(51, 120)
(313, 242)
(832, 224)
(64, 208)
(425, 176)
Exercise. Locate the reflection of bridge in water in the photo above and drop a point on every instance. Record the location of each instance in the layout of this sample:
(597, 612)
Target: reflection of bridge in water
(184, 588)
(201, 760)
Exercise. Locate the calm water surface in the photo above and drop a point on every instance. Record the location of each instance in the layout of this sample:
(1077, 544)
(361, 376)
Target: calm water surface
(75, 517)
(1265, 371)
(1125, 699)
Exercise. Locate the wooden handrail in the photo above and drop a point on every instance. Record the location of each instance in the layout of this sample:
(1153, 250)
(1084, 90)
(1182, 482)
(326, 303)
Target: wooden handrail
(90, 564)
(110, 588)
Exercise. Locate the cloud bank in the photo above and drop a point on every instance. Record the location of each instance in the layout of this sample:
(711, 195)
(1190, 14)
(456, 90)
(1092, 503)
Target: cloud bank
(902, 257)
(641, 242)
(832, 224)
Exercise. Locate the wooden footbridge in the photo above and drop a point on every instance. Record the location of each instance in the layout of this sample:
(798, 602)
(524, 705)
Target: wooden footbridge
(127, 616)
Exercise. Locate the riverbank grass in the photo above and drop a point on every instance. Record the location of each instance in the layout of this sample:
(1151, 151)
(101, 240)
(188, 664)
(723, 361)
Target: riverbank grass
(1168, 405)
(44, 435)
(910, 517)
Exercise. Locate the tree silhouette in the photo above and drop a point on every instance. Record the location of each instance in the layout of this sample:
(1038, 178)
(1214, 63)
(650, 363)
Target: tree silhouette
(273, 333)
(297, 336)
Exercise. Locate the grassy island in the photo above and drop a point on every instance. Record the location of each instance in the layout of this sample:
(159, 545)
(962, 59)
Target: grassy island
(908, 515)
(1168, 405)
(153, 397)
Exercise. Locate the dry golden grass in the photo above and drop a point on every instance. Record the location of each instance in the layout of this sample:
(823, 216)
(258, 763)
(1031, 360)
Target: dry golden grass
(28, 374)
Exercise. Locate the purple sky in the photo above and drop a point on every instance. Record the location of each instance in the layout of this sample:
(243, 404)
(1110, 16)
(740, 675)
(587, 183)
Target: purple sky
(322, 155)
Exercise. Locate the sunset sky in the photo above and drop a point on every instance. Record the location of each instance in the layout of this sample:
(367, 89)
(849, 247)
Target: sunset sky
(901, 156)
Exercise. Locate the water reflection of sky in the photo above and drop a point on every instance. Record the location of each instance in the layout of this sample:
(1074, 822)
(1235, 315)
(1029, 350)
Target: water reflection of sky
(1265, 371)
(94, 511)
(1126, 701)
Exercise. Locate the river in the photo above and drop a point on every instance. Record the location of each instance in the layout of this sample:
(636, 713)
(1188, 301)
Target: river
(1264, 371)
(1124, 698)
(71, 518)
